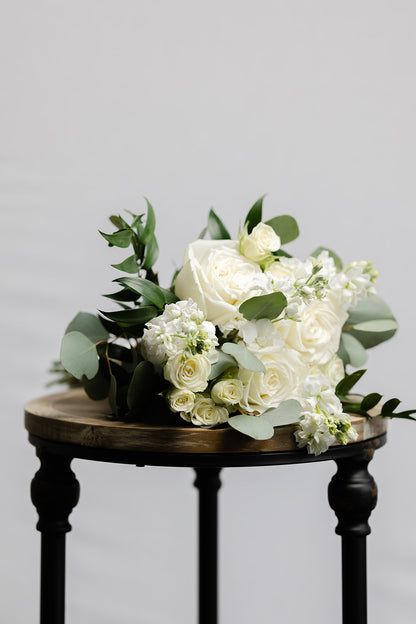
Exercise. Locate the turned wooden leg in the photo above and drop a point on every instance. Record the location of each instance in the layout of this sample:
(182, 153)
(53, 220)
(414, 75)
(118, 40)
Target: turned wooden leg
(54, 492)
(352, 494)
(208, 483)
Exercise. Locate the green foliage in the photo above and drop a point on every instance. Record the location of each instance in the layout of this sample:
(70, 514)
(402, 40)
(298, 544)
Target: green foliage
(265, 306)
(79, 355)
(216, 228)
(254, 215)
(348, 382)
(89, 325)
(352, 351)
(370, 401)
(223, 363)
(243, 356)
(337, 260)
(142, 386)
(122, 238)
(136, 316)
(286, 413)
(129, 265)
(285, 227)
(367, 311)
(253, 426)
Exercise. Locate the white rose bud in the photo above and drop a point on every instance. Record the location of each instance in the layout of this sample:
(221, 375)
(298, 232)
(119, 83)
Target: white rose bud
(181, 400)
(259, 245)
(188, 372)
(227, 391)
(206, 414)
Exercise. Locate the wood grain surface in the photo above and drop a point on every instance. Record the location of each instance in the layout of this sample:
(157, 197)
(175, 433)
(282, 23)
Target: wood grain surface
(73, 418)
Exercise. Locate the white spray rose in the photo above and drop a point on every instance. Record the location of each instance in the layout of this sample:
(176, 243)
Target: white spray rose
(188, 372)
(227, 391)
(181, 400)
(318, 333)
(205, 413)
(260, 243)
(219, 279)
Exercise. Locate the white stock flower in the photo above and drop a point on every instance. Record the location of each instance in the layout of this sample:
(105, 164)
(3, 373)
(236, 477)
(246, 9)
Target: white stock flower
(227, 391)
(285, 370)
(181, 327)
(318, 333)
(314, 433)
(188, 372)
(205, 413)
(260, 243)
(355, 282)
(261, 335)
(181, 400)
(219, 279)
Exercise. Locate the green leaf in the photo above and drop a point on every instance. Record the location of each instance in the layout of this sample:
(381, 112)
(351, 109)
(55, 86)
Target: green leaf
(342, 353)
(254, 216)
(89, 325)
(149, 228)
(389, 406)
(348, 382)
(170, 297)
(377, 325)
(223, 363)
(112, 395)
(253, 426)
(370, 401)
(138, 316)
(285, 413)
(98, 387)
(121, 238)
(141, 385)
(123, 295)
(129, 265)
(79, 355)
(144, 287)
(264, 306)
(337, 260)
(285, 227)
(369, 309)
(119, 222)
(216, 228)
(357, 355)
(152, 253)
(243, 356)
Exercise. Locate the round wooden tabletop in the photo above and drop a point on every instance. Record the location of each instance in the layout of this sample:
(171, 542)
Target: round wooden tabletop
(74, 419)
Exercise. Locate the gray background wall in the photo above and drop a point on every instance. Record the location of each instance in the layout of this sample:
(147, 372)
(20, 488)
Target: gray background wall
(196, 104)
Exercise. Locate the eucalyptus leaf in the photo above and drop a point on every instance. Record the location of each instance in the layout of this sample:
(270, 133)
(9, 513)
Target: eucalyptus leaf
(377, 325)
(254, 426)
(79, 355)
(141, 385)
(285, 227)
(216, 228)
(144, 287)
(98, 387)
(129, 265)
(369, 309)
(243, 356)
(348, 382)
(121, 238)
(286, 413)
(265, 306)
(337, 260)
(223, 363)
(152, 253)
(149, 228)
(136, 316)
(89, 325)
(357, 355)
(254, 215)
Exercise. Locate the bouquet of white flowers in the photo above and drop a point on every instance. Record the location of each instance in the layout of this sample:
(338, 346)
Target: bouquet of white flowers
(247, 336)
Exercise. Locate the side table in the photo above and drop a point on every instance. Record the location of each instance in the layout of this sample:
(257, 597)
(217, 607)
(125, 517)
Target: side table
(70, 425)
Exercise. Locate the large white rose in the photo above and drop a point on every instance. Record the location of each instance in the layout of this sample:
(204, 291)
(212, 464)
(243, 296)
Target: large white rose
(188, 372)
(285, 371)
(317, 334)
(218, 278)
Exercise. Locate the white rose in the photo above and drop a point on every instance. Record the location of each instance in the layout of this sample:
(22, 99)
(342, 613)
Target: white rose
(285, 370)
(188, 372)
(334, 370)
(218, 278)
(317, 334)
(181, 400)
(259, 244)
(227, 391)
(206, 413)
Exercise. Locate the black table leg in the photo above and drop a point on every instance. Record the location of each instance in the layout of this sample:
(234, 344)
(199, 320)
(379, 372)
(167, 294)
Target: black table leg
(352, 494)
(208, 483)
(54, 491)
